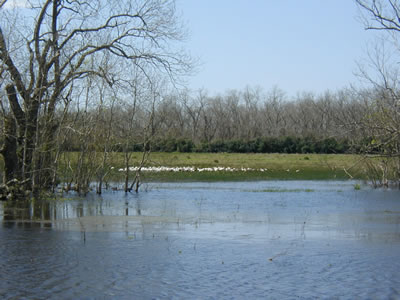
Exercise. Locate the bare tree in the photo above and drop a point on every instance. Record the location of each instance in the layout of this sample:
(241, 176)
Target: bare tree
(194, 108)
(382, 102)
(381, 14)
(64, 42)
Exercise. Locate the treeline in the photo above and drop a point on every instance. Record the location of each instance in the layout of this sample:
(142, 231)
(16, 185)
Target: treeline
(260, 145)
(239, 121)
(250, 114)
(248, 121)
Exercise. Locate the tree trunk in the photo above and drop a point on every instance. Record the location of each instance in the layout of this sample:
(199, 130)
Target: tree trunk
(20, 141)
(29, 166)
(9, 151)
(45, 156)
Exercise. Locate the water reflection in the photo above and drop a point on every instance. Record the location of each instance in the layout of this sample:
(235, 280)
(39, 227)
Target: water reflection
(28, 214)
(315, 210)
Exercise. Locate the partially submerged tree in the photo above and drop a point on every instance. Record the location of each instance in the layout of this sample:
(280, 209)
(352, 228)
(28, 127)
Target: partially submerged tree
(56, 43)
(381, 122)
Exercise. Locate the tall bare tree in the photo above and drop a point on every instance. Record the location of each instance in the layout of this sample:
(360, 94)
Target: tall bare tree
(55, 44)
(382, 120)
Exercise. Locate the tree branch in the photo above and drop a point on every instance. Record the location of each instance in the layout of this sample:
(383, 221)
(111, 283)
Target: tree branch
(15, 74)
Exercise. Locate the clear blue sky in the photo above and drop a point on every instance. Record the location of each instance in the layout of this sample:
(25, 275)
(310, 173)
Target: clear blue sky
(298, 45)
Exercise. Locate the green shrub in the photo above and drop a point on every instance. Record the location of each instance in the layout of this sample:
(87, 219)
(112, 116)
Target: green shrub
(286, 144)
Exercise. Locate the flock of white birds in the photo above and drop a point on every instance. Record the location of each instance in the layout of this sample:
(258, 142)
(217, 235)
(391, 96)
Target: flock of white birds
(191, 169)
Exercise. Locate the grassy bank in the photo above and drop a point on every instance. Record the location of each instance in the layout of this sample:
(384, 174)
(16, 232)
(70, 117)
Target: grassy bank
(274, 166)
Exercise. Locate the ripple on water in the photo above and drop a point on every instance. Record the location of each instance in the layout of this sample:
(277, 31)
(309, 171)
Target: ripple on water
(209, 241)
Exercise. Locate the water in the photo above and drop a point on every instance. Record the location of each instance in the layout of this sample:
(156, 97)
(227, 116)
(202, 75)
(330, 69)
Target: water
(275, 240)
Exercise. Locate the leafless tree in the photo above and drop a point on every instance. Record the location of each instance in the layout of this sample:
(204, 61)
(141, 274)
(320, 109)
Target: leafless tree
(58, 44)
(382, 102)
(194, 108)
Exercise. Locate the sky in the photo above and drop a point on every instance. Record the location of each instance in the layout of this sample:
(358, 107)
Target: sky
(296, 45)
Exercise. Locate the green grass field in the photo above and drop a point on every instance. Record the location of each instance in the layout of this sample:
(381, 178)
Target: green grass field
(278, 166)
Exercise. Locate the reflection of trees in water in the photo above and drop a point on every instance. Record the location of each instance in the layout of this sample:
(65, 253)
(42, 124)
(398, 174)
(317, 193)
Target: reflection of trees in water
(138, 206)
(42, 213)
(28, 213)
(99, 206)
(79, 210)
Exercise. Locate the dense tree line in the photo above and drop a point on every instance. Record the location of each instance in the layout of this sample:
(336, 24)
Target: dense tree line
(256, 122)
(260, 145)
(252, 114)
(248, 121)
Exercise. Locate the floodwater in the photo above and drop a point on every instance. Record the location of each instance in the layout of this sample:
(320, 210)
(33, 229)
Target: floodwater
(259, 240)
